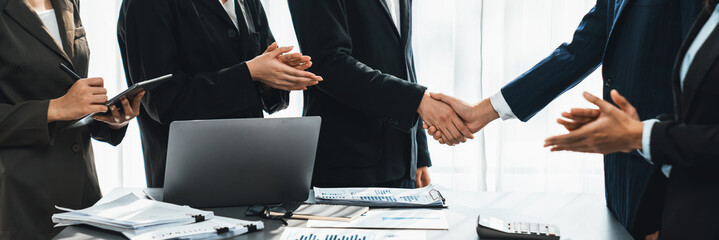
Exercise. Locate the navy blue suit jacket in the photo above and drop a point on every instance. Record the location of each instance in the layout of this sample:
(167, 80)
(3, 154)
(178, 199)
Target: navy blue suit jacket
(636, 41)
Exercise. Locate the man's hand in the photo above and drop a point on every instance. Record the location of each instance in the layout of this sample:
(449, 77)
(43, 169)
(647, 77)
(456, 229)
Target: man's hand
(422, 179)
(614, 130)
(271, 71)
(475, 117)
(441, 115)
(653, 236)
(86, 96)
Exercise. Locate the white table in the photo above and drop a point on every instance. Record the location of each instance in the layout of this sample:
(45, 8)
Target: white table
(579, 216)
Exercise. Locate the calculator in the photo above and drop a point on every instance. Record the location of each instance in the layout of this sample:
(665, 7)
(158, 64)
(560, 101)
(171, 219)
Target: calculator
(494, 228)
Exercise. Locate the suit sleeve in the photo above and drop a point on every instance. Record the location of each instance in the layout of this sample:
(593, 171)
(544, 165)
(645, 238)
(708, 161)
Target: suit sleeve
(25, 124)
(152, 51)
(322, 31)
(275, 99)
(563, 69)
(423, 159)
(689, 145)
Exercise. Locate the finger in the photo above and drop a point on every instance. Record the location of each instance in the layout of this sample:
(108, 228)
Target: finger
(568, 138)
(304, 66)
(571, 126)
(291, 58)
(279, 51)
(463, 129)
(271, 48)
(425, 126)
(103, 118)
(98, 99)
(621, 101)
(95, 82)
(454, 132)
(294, 81)
(116, 116)
(294, 72)
(127, 109)
(98, 90)
(585, 112)
(98, 108)
(137, 102)
(603, 105)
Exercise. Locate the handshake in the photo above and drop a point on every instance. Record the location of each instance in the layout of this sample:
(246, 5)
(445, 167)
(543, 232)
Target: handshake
(452, 121)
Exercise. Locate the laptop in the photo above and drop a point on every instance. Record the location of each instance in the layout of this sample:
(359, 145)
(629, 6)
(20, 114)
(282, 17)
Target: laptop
(237, 162)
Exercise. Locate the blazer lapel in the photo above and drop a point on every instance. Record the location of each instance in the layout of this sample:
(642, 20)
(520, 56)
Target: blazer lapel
(388, 15)
(676, 81)
(618, 10)
(26, 17)
(701, 65)
(65, 19)
(216, 8)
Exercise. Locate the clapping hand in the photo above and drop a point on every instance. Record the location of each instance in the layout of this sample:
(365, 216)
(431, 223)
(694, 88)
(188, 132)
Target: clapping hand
(285, 72)
(605, 130)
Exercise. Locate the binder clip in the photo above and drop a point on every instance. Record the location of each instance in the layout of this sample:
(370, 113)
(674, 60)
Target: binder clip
(251, 228)
(222, 230)
(198, 218)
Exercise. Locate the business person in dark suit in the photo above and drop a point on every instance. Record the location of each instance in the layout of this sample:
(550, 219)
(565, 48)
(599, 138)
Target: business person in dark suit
(682, 195)
(371, 100)
(215, 49)
(43, 165)
(635, 42)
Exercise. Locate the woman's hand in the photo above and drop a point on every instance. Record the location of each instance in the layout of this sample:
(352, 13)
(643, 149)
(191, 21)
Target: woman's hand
(86, 96)
(295, 60)
(270, 70)
(614, 130)
(119, 118)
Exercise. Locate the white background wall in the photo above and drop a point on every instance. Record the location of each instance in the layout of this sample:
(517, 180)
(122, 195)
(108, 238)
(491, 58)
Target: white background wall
(467, 48)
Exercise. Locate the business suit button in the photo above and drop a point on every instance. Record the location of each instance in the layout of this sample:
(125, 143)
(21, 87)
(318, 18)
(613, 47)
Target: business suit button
(76, 148)
(608, 82)
(232, 33)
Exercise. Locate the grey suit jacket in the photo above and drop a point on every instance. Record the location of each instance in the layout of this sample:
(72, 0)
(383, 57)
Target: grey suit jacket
(42, 165)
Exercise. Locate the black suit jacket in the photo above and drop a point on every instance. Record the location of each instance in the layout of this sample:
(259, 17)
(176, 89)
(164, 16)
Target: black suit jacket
(42, 165)
(197, 42)
(689, 141)
(370, 95)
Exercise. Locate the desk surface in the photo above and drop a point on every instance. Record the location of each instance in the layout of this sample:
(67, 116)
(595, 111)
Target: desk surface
(579, 216)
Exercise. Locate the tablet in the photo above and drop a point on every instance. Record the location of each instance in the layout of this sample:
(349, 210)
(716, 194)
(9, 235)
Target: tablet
(128, 93)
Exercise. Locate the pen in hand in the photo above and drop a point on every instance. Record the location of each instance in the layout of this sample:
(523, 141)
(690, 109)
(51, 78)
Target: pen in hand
(70, 72)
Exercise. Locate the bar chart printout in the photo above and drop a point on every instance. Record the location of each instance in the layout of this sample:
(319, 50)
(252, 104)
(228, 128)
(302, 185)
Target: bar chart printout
(291, 233)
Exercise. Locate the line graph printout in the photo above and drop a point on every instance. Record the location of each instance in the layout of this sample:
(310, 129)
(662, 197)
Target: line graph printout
(381, 197)
(419, 219)
(292, 233)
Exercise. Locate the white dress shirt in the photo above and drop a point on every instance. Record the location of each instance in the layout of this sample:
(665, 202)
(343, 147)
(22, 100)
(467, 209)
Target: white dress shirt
(50, 21)
(394, 10)
(229, 7)
(702, 36)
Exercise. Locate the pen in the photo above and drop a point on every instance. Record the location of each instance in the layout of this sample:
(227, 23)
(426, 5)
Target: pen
(70, 72)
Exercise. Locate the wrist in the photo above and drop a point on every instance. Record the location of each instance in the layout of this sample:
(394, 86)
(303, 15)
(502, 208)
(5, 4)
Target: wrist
(637, 135)
(252, 68)
(52, 112)
(423, 102)
(486, 110)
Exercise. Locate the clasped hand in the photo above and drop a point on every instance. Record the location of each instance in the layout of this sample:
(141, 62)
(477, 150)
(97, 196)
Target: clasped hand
(605, 130)
(474, 117)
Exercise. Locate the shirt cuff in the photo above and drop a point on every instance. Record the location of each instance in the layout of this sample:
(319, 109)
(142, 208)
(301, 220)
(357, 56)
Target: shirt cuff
(646, 137)
(500, 105)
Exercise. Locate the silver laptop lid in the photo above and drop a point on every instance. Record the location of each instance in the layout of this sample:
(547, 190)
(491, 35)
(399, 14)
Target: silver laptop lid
(235, 162)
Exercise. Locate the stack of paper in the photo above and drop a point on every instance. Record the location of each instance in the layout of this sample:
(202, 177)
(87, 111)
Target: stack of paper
(131, 213)
(381, 197)
(215, 228)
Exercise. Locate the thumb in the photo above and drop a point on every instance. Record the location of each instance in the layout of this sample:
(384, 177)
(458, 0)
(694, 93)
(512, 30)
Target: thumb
(277, 52)
(603, 105)
(272, 47)
(622, 102)
(453, 102)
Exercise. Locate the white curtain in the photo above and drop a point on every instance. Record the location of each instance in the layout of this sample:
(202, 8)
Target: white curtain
(467, 48)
